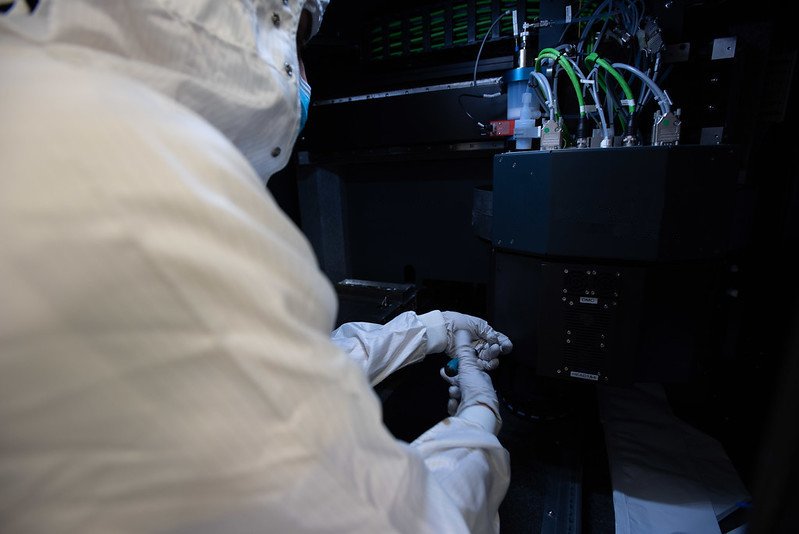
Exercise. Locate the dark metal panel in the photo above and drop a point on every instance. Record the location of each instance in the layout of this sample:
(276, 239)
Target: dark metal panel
(414, 218)
(323, 220)
(515, 303)
(700, 195)
(605, 322)
(426, 117)
(522, 210)
(640, 204)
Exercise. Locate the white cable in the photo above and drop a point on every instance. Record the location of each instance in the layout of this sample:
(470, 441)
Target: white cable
(660, 96)
(543, 81)
(602, 118)
(654, 78)
(593, 92)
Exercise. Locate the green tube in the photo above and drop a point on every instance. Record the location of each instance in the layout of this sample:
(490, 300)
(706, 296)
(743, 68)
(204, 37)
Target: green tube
(592, 58)
(619, 78)
(551, 53)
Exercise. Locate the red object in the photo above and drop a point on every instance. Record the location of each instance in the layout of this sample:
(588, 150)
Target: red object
(502, 128)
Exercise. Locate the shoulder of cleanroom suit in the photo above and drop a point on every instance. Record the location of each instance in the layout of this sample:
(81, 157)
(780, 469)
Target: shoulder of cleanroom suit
(233, 62)
(165, 352)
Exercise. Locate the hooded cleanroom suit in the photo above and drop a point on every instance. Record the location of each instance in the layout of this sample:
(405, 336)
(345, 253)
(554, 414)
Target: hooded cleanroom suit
(165, 354)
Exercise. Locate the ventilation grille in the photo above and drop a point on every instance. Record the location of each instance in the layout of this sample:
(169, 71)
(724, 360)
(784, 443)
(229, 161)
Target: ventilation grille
(586, 337)
(590, 302)
(444, 25)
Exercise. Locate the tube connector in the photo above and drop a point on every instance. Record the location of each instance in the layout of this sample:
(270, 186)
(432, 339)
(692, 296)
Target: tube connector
(550, 135)
(666, 129)
(629, 140)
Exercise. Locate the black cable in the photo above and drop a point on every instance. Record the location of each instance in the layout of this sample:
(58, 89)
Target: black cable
(485, 37)
(460, 103)
(601, 33)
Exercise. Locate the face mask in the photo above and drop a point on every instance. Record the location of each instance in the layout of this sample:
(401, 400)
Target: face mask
(305, 102)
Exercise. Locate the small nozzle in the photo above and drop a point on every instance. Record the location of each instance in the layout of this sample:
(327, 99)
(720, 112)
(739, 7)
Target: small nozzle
(451, 369)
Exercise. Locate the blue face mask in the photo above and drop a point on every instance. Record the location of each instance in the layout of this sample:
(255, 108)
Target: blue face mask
(305, 102)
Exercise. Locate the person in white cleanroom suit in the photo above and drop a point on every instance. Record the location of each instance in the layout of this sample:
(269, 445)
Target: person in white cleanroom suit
(166, 363)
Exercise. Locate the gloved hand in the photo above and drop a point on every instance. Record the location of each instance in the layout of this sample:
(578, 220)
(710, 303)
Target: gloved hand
(487, 342)
(471, 386)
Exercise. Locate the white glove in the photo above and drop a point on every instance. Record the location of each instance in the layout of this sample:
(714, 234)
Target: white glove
(471, 386)
(487, 342)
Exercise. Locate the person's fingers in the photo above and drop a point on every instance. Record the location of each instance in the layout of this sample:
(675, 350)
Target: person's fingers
(483, 330)
(490, 352)
(490, 365)
(451, 380)
(452, 406)
(455, 392)
(485, 334)
(505, 343)
(488, 338)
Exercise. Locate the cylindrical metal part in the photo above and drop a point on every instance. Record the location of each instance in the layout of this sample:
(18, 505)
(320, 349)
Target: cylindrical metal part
(523, 58)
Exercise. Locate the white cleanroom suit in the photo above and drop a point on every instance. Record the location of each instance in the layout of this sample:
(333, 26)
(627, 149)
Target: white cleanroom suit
(165, 354)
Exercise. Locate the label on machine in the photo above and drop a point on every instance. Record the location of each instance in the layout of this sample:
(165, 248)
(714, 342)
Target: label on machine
(584, 376)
